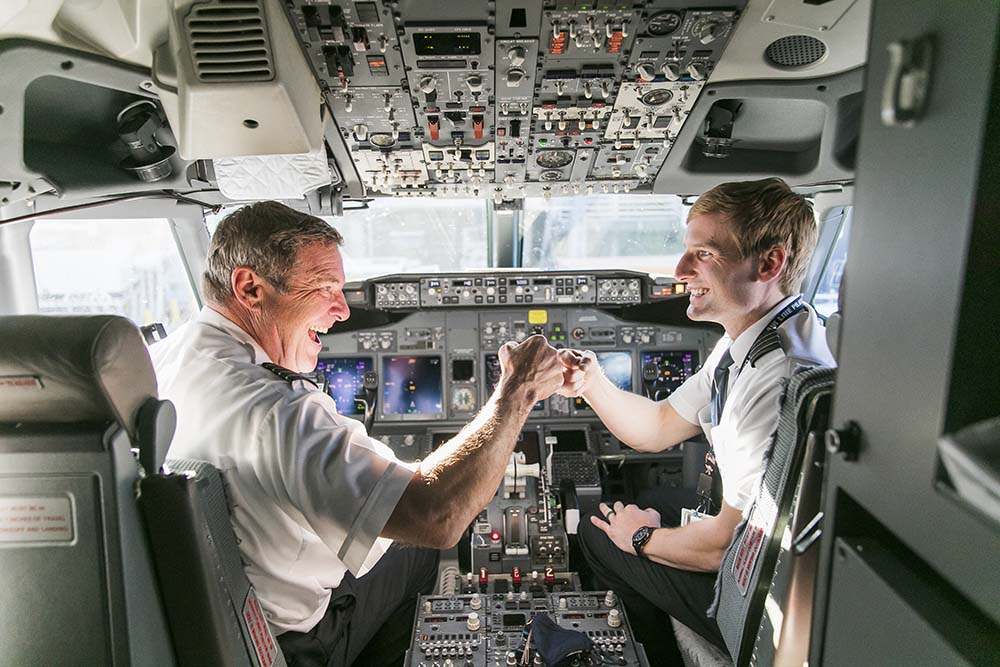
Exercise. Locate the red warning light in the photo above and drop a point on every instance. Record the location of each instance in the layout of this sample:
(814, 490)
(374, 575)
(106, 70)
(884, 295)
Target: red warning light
(495, 536)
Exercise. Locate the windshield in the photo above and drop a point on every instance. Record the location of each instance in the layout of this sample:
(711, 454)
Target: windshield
(409, 235)
(639, 232)
(403, 235)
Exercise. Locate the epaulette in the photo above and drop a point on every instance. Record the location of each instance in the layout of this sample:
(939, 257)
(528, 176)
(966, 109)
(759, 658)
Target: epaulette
(290, 376)
(767, 342)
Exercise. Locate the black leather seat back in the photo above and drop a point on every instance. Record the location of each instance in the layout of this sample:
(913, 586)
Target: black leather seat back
(215, 617)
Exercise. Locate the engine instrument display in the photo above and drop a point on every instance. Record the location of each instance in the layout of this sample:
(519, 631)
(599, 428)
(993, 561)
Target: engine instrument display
(345, 378)
(664, 370)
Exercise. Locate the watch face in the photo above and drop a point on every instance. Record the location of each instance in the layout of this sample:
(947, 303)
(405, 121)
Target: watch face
(640, 537)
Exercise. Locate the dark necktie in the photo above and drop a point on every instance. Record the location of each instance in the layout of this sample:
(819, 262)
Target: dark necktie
(720, 385)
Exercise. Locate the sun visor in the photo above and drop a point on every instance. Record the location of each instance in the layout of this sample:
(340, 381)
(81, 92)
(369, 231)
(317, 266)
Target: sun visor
(233, 81)
(258, 177)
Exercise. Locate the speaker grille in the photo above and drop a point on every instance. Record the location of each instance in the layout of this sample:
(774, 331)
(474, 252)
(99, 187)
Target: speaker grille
(229, 42)
(795, 51)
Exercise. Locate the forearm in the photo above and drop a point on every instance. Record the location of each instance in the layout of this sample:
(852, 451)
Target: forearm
(633, 419)
(698, 546)
(457, 480)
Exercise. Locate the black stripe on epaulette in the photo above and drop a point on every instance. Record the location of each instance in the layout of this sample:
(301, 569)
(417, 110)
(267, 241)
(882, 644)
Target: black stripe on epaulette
(289, 376)
(769, 341)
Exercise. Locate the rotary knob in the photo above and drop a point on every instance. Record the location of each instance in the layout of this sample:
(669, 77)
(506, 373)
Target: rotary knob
(427, 85)
(473, 622)
(474, 82)
(646, 71)
(671, 71)
(475, 601)
(610, 600)
(515, 75)
(709, 31)
(614, 618)
(516, 56)
(696, 71)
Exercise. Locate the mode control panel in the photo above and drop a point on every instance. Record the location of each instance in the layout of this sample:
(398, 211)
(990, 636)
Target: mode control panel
(530, 288)
(506, 290)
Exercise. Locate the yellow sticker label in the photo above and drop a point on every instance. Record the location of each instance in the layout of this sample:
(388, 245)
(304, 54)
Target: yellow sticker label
(538, 316)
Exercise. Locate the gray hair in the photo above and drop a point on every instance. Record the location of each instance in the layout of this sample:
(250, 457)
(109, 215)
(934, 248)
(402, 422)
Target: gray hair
(264, 237)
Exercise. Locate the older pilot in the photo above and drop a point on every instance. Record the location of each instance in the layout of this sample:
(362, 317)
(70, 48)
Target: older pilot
(317, 503)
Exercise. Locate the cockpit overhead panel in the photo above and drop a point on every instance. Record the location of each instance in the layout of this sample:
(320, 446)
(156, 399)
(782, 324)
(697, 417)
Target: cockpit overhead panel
(513, 100)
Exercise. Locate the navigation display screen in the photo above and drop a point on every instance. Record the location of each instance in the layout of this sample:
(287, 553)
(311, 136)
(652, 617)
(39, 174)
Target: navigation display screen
(662, 371)
(411, 385)
(617, 366)
(345, 377)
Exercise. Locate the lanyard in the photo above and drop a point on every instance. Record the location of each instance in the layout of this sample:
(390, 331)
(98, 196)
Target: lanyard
(766, 338)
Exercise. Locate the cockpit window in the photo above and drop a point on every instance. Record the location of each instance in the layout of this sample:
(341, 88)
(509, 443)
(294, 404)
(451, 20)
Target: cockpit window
(831, 271)
(639, 232)
(404, 235)
(122, 267)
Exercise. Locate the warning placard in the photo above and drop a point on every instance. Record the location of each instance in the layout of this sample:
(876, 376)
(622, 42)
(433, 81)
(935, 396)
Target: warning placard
(263, 643)
(36, 519)
(748, 551)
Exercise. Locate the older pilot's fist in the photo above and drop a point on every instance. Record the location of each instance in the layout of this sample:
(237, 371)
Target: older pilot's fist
(532, 364)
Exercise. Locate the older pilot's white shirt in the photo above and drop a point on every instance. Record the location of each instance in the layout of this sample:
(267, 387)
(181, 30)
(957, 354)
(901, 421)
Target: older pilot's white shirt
(750, 415)
(310, 490)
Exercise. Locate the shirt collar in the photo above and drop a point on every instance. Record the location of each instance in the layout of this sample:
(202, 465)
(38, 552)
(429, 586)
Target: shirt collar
(214, 318)
(741, 346)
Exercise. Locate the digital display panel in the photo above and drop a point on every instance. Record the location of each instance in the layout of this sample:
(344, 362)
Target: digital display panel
(617, 367)
(345, 379)
(574, 440)
(447, 43)
(662, 371)
(411, 385)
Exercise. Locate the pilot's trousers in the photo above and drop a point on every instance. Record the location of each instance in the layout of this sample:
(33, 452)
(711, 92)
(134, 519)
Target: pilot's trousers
(652, 592)
(369, 620)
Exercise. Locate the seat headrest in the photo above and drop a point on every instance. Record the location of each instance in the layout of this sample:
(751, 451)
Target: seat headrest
(73, 369)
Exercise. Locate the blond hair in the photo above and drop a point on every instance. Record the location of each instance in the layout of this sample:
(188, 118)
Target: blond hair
(764, 214)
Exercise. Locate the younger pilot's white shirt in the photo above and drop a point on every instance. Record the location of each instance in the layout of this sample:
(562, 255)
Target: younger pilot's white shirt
(750, 415)
(310, 490)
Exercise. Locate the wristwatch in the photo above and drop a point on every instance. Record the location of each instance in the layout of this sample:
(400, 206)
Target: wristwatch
(640, 538)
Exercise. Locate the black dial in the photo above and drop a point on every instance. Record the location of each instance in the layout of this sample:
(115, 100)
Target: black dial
(664, 23)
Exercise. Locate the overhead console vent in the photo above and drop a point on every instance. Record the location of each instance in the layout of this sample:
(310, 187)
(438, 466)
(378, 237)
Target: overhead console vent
(234, 82)
(795, 51)
(229, 42)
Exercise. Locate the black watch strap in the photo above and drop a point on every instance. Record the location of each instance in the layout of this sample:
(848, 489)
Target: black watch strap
(640, 538)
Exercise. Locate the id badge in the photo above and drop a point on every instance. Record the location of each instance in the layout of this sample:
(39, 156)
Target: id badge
(690, 516)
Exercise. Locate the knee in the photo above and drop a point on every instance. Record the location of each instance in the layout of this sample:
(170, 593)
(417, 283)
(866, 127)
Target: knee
(592, 539)
(427, 570)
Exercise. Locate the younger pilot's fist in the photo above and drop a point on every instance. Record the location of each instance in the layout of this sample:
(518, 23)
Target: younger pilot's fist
(579, 369)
